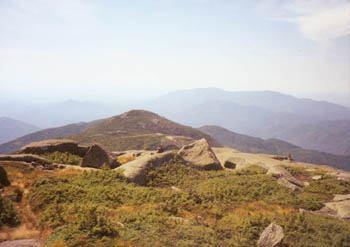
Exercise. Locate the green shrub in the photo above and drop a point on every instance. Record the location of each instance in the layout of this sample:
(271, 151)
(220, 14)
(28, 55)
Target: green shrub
(63, 158)
(8, 214)
(101, 207)
(329, 185)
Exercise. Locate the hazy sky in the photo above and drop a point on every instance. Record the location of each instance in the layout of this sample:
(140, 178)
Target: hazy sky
(91, 49)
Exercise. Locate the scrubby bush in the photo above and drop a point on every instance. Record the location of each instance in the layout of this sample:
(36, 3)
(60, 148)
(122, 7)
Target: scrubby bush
(329, 185)
(8, 214)
(207, 208)
(63, 158)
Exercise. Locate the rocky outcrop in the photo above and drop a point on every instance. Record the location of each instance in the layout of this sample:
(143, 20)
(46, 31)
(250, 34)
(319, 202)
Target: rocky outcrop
(54, 145)
(285, 178)
(339, 207)
(136, 171)
(21, 243)
(4, 181)
(200, 155)
(93, 156)
(28, 158)
(96, 157)
(271, 236)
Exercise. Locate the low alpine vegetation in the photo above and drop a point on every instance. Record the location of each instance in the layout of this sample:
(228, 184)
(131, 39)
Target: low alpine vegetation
(180, 206)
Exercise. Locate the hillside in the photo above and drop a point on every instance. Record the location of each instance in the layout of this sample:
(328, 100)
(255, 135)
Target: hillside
(136, 129)
(51, 133)
(327, 136)
(11, 129)
(250, 144)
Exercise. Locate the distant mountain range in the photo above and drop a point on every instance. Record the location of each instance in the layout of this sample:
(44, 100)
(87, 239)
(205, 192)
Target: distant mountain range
(250, 144)
(11, 129)
(306, 123)
(265, 114)
(326, 136)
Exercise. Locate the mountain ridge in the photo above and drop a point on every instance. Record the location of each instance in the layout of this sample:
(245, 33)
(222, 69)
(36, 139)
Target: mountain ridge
(11, 129)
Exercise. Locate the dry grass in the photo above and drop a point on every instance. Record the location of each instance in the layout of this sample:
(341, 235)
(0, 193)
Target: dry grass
(70, 171)
(21, 232)
(127, 159)
(261, 208)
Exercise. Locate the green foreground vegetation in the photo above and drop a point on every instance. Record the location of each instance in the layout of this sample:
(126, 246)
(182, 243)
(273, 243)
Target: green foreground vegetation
(63, 158)
(182, 206)
(8, 214)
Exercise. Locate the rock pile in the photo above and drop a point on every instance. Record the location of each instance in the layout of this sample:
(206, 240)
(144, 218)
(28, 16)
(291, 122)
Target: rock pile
(92, 156)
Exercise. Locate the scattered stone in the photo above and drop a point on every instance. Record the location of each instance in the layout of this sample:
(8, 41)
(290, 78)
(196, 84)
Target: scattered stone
(160, 149)
(95, 157)
(317, 177)
(4, 181)
(200, 155)
(285, 178)
(136, 170)
(271, 236)
(21, 243)
(175, 189)
(306, 184)
(179, 219)
(230, 163)
(340, 207)
(338, 198)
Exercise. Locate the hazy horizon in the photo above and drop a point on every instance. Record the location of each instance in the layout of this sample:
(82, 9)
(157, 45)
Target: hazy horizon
(121, 50)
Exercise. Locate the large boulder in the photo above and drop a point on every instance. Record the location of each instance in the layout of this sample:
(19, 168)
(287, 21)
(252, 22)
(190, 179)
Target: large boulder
(28, 158)
(200, 155)
(95, 157)
(136, 171)
(53, 145)
(285, 178)
(4, 181)
(271, 236)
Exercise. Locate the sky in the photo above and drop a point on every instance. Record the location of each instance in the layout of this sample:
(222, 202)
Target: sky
(129, 49)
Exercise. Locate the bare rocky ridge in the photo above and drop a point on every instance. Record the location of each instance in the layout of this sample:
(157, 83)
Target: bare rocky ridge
(54, 145)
